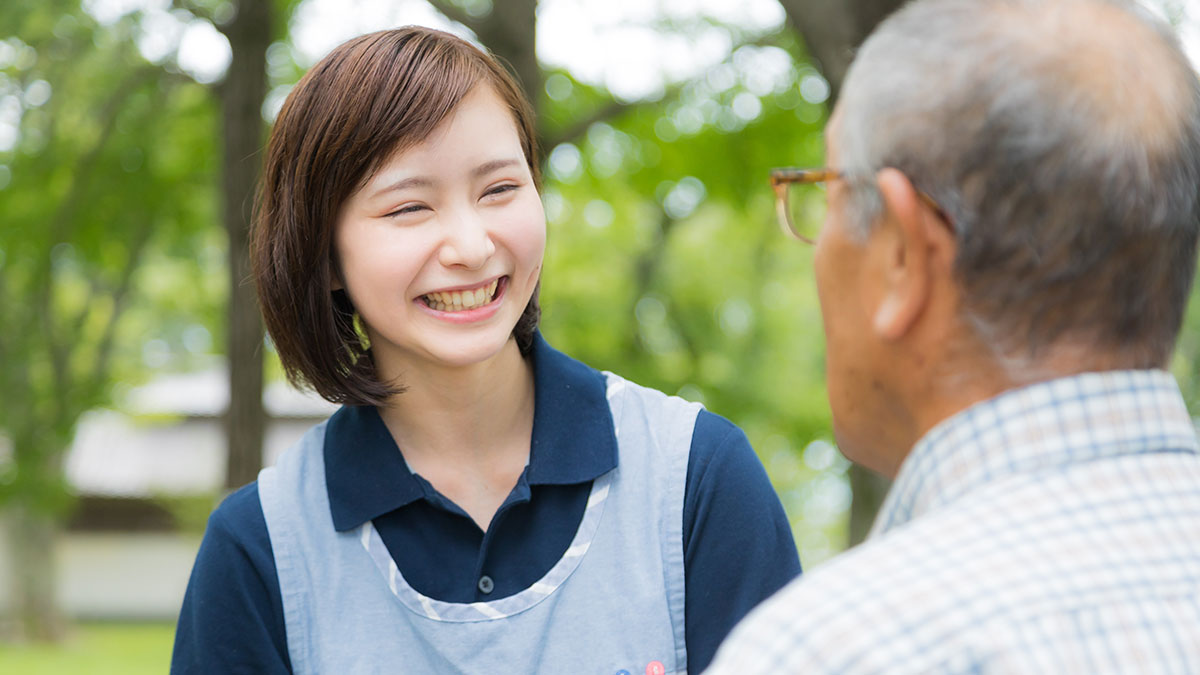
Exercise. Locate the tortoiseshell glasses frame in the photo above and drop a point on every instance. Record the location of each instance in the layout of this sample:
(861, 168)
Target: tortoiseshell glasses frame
(783, 178)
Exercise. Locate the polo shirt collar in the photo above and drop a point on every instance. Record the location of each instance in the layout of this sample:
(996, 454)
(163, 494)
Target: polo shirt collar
(573, 442)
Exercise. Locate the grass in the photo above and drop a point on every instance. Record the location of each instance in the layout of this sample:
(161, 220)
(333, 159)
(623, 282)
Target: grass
(96, 649)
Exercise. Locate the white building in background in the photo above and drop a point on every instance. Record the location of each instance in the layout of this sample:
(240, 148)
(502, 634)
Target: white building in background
(121, 556)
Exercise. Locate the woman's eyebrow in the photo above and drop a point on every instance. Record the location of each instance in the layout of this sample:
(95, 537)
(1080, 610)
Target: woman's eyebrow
(404, 183)
(488, 167)
(422, 181)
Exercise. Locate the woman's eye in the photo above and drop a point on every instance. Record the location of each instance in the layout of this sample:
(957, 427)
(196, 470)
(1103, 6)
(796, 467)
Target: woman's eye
(405, 210)
(500, 189)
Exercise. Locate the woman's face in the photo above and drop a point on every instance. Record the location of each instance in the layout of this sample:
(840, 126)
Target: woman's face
(441, 250)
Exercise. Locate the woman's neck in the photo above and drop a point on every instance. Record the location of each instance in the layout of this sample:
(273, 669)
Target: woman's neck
(467, 430)
(463, 414)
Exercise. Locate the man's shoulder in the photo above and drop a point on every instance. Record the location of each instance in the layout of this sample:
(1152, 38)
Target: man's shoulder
(979, 579)
(891, 600)
(832, 618)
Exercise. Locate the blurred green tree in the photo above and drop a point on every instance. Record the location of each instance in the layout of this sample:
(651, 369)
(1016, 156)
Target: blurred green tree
(90, 197)
(109, 191)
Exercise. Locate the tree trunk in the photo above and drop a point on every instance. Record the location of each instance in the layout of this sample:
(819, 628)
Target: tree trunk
(32, 540)
(832, 30)
(510, 31)
(32, 529)
(242, 96)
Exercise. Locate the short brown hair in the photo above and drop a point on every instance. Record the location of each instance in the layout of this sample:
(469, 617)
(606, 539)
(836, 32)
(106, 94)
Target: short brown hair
(370, 98)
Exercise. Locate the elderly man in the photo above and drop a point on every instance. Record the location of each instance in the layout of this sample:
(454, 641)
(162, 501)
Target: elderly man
(1010, 243)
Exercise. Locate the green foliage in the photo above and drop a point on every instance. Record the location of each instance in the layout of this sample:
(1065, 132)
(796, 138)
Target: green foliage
(111, 176)
(664, 263)
(107, 172)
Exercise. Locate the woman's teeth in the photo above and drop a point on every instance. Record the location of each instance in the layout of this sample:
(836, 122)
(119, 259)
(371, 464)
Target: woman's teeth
(457, 301)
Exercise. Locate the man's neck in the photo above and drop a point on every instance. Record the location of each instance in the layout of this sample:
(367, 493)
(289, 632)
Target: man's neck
(954, 387)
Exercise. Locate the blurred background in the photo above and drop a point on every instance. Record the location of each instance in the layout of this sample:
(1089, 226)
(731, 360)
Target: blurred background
(136, 386)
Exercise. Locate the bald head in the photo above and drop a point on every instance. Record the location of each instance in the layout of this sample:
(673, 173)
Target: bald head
(1062, 138)
(1114, 66)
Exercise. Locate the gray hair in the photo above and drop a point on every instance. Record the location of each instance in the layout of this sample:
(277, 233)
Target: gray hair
(1062, 140)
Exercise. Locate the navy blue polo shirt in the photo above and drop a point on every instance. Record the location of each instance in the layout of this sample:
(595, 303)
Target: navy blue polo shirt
(738, 546)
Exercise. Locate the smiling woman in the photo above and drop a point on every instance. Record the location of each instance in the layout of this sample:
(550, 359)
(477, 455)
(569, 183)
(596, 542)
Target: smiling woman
(440, 250)
(482, 502)
(381, 187)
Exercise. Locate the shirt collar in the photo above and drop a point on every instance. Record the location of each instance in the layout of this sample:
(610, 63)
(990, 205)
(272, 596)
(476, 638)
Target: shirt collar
(573, 442)
(1036, 428)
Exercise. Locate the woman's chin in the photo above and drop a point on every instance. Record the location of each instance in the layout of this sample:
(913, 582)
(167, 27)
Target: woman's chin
(456, 351)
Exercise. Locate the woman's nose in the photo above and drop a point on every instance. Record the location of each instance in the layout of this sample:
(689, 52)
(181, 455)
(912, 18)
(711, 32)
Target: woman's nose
(468, 242)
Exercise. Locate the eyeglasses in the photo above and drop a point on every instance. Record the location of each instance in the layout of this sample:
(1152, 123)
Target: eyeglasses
(800, 200)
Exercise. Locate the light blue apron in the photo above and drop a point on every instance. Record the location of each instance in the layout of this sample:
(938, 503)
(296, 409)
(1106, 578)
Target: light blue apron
(613, 603)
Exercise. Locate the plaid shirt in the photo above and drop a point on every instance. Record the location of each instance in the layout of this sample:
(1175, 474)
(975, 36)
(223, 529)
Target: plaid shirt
(1052, 529)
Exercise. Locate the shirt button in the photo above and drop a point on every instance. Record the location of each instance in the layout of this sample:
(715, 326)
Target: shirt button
(486, 584)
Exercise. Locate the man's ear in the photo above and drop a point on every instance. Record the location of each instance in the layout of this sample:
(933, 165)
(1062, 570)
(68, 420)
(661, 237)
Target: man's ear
(916, 258)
